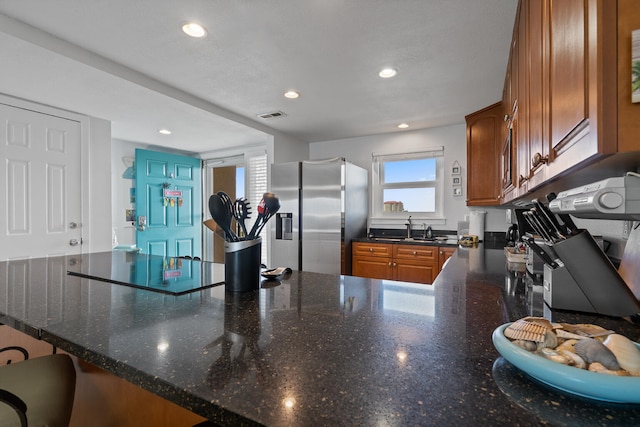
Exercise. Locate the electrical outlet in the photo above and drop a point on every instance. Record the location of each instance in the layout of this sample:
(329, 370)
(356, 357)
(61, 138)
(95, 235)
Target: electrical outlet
(626, 229)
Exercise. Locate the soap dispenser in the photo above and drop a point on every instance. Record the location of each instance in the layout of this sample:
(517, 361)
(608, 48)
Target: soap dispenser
(429, 233)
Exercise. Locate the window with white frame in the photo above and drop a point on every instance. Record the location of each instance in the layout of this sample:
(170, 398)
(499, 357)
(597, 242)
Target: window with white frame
(408, 183)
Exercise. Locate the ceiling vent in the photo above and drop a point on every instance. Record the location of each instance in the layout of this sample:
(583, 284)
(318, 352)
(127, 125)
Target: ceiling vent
(272, 115)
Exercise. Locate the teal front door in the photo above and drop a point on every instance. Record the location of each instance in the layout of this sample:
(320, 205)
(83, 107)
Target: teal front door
(168, 204)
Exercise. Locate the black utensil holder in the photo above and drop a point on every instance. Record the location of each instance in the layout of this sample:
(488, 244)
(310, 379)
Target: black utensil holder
(242, 265)
(596, 276)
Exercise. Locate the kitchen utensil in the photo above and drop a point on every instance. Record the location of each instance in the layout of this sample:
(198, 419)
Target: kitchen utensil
(267, 207)
(530, 241)
(551, 219)
(228, 203)
(271, 206)
(259, 219)
(276, 273)
(543, 223)
(533, 221)
(222, 216)
(213, 226)
(242, 211)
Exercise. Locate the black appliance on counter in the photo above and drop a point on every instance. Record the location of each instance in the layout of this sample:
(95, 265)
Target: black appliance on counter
(512, 236)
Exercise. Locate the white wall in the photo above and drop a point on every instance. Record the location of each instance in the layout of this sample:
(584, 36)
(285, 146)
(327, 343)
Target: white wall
(98, 199)
(453, 138)
(288, 149)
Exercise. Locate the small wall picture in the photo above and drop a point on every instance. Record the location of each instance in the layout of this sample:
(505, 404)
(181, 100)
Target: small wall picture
(455, 168)
(456, 180)
(457, 191)
(130, 215)
(635, 66)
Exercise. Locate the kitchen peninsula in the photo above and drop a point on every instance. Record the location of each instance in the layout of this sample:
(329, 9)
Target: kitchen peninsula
(313, 350)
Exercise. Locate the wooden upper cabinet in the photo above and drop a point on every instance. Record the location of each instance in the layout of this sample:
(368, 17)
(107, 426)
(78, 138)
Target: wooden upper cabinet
(568, 91)
(567, 102)
(520, 124)
(538, 123)
(582, 82)
(572, 67)
(484, 147)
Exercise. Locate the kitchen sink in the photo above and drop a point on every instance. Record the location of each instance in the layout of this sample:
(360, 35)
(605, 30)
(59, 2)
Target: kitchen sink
(413, 239)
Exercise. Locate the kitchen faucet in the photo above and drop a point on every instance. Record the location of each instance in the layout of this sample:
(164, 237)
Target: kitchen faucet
(408, 224)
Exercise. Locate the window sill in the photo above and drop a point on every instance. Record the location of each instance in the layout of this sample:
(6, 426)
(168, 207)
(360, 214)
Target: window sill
(400, 222)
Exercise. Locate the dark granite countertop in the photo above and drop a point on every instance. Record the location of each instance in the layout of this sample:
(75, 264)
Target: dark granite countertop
(316, 349)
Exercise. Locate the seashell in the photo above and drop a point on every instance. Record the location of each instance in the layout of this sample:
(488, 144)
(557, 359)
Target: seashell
(576, 360)
(526, 345)
(593, 351)
(627, 354)
(539, 321)
(599, 367)
(561, 333)
(586, 329)
(555, 356)
(568, 345)
(525, 330)
(550, 340)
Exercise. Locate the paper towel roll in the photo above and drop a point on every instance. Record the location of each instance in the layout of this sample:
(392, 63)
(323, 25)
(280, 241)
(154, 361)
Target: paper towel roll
(476, 224)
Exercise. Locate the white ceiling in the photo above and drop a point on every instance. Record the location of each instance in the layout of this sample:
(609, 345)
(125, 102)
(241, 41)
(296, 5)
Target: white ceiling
(128, 62)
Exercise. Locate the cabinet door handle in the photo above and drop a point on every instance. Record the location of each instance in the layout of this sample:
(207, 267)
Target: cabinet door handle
(522, 179)
(415, 253)
(389, 263)
(370, 249)
(539, 159)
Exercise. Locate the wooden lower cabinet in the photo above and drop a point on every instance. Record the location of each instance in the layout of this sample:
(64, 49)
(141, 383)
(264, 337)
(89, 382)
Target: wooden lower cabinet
(407, 263)
(445, 253)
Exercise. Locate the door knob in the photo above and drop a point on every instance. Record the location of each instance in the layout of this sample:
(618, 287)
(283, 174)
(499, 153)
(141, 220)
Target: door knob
(75, 242)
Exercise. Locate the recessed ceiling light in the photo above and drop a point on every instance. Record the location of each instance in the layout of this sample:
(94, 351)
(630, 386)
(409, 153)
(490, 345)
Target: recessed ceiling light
(292, 94)
(194, 30)
(164, 131)
(385, 73)
(403, 125)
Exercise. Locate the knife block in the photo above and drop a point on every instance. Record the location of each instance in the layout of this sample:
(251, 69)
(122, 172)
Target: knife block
(595, 276)
(560, 291)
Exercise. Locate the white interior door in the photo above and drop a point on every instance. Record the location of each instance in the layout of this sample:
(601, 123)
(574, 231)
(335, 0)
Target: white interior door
(40, 164)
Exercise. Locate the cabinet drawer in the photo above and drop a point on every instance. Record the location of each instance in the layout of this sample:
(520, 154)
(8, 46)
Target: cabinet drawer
(427, 254)
(372, 249)
(372, 267)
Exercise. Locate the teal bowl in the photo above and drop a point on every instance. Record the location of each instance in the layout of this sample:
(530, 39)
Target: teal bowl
(572, 380)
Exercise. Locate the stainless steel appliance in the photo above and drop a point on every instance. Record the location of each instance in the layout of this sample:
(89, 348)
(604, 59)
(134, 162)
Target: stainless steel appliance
(323, 206)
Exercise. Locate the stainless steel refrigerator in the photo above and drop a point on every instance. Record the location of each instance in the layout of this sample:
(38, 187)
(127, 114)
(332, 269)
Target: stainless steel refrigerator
(323, 206)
